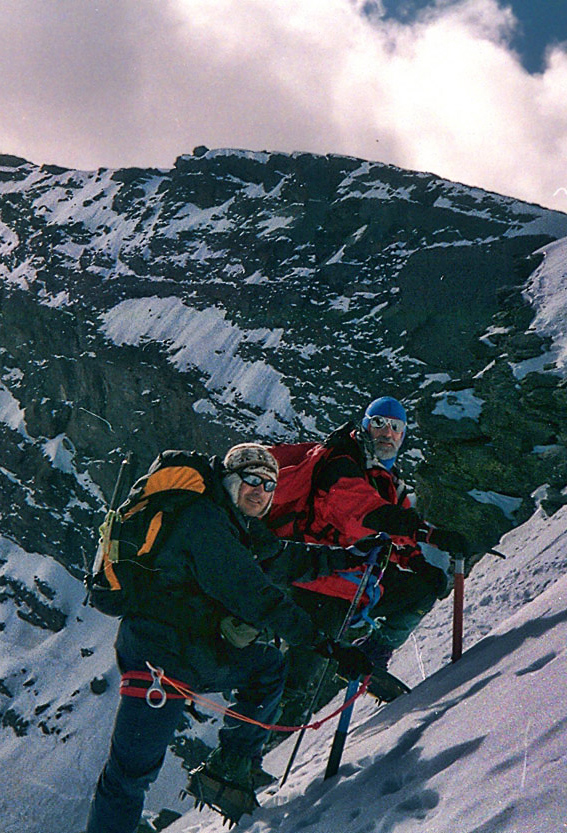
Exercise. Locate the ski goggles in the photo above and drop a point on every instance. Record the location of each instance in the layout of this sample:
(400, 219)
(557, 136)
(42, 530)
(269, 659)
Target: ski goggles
(255, 480)
(397, 425)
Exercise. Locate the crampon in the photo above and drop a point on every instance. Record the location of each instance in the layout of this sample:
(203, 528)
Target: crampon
(230, 800)
(385, 687)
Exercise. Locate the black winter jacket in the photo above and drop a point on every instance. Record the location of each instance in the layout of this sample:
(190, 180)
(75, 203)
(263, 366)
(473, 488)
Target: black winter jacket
(216, 562)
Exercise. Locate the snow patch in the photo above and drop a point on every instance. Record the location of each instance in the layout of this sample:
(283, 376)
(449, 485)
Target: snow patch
(430, 378)
(11, 414)
(342, 303)
(458, 404)
(62, 299)
(205, 406)
(206, 340)
(61, 453)
(548, 362)
(273, 223)
(508, 505)
(256, 278)
(547, 291)
(337, 257)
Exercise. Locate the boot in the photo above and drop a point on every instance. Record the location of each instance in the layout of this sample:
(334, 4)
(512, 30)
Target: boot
(378, 654)
(230, 766)
(382, 685)
(224, 783)
(260, 778)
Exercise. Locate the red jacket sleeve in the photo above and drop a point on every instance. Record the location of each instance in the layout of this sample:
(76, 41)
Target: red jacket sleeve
(345, 500)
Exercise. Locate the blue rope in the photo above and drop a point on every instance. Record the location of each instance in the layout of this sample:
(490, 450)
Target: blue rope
(374, 593)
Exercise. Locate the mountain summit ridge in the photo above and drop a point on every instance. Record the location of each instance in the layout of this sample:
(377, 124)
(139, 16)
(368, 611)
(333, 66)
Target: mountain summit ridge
(270, 294)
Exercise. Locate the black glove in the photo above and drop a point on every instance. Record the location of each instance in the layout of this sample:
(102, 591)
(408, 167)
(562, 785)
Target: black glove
(434, 576)
(358, 552)
(394, 519)
(353, 662)
(364, 545)
(450, 541)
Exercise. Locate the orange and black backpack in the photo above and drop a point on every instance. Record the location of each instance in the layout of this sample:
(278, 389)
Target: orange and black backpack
(131, 535)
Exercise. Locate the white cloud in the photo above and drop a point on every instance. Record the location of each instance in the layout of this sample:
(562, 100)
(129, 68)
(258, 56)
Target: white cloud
(138, 82)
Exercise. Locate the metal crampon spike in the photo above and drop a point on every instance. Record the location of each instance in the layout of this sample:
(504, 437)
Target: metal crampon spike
(224, 797)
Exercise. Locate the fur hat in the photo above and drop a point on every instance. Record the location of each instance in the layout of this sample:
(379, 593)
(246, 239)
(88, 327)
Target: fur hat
(251, 457)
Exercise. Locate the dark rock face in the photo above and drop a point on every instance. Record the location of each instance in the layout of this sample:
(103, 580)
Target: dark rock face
(272, 296)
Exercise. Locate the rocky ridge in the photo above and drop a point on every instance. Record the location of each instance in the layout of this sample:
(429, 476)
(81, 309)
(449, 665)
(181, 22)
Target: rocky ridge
(251, 293)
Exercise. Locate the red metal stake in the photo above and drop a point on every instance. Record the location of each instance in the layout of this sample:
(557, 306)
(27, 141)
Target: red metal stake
(458, 605)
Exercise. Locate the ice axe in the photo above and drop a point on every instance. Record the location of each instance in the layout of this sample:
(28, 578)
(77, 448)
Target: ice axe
(370, 562)
(104, 540)
(458, 606)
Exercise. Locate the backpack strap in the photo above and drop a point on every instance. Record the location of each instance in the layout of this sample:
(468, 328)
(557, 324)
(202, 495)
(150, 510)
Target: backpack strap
(152, 533)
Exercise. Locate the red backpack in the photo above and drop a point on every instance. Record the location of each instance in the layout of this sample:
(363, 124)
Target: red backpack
(291, 512)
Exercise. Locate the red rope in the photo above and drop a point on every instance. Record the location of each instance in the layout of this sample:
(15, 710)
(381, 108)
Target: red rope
(216, 707)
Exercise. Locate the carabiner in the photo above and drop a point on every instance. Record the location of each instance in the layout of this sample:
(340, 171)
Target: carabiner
(156, 686)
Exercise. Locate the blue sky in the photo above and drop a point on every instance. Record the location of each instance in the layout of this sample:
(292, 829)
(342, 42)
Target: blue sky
(471, 90)
(540, 24)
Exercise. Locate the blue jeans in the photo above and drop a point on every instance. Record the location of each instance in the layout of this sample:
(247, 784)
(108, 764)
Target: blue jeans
(141, 734)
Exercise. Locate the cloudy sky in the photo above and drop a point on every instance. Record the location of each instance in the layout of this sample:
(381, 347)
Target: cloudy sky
(472, 90)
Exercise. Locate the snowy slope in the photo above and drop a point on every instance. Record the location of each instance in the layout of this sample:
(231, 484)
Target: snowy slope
(478, 747)
(50, 762)
(44, 793)
(498, 717)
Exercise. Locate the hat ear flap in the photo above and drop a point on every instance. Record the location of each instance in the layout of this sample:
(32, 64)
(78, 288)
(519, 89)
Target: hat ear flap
(232, 484)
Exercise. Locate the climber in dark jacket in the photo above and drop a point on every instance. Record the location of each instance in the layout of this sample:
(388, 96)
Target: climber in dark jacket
(201, 619)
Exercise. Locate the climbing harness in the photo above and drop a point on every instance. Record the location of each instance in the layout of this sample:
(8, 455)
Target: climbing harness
(152, 685)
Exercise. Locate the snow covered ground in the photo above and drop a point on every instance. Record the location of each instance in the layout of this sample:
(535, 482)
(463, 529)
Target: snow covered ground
(547, 291)
(480, 746)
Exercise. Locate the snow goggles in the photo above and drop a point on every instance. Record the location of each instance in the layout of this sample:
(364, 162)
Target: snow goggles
(255, 480)
(397, 425)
